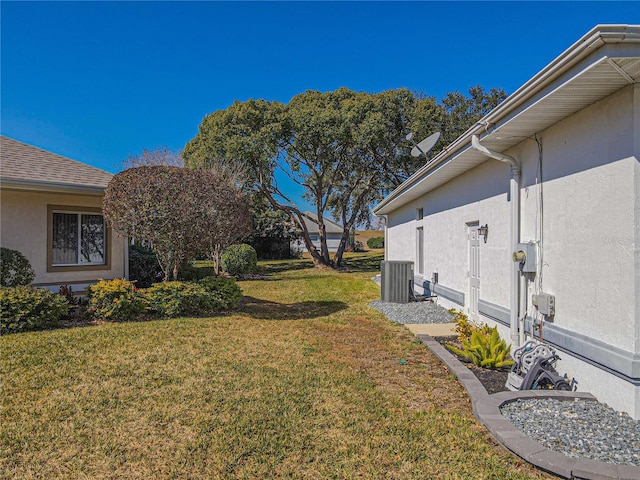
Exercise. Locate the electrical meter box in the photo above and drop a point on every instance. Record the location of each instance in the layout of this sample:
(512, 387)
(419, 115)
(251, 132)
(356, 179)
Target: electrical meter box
(526, 255)
(545, 303)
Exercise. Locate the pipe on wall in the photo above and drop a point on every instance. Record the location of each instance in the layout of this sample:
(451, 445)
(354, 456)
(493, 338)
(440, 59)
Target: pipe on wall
(516, 329)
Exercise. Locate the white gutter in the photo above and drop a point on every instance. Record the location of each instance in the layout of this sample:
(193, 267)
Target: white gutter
(597, 37)
(50, 187)
(514, 191)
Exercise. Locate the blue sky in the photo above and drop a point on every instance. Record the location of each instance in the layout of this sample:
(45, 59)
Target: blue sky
(97, 81)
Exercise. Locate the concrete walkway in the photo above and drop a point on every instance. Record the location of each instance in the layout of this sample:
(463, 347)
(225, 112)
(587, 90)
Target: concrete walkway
(486, 409)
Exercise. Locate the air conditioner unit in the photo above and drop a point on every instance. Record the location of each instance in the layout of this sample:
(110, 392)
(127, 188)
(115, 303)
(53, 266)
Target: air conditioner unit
(396, 281)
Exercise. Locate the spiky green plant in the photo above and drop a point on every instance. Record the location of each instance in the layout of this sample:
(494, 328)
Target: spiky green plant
(485, 349)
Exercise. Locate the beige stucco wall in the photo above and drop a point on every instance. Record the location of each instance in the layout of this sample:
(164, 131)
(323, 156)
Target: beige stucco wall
(23, 227)
(585, 217)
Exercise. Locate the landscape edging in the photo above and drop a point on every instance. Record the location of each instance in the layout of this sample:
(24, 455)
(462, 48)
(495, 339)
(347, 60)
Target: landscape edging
(486, 408)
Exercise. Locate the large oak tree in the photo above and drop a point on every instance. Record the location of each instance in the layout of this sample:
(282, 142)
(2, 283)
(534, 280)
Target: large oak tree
(346, 149)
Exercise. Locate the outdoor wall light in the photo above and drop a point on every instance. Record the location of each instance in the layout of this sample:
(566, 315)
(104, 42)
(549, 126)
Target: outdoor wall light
(484, 231)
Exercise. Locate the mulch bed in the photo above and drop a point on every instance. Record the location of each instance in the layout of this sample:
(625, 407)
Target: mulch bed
(493, 380)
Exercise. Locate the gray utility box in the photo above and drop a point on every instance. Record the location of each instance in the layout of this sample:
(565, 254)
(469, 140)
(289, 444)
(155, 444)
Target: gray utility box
(396, 281)
(528, 264)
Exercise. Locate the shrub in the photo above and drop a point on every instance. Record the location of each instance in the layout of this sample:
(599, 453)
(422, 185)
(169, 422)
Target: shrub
(228, 289)
(144, 268)
(26, 308)
(240, 259)
(173, 299)
(15, 269)
(375, 242)
(190, 273)
(114, 300)
(485, 349)
(466, 327)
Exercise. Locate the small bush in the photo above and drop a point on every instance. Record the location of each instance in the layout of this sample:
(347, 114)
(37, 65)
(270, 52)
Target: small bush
(485, 349)
(15, 269)
(375, 242)
(144, 268)
(466, 327)
(240, 260)
(173, 299)
(114, 300)
(25, 308)
(227, 288)
(190, 273)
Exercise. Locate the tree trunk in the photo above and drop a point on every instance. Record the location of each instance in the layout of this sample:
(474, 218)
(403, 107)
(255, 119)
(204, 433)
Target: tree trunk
(337, 258)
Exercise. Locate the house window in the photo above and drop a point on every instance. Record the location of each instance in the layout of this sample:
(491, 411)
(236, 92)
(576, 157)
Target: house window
(420, 250)
(314, 238)
(77, 238)
(419, 213)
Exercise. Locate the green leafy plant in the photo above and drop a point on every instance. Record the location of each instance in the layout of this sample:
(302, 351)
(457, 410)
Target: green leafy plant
(485, 349)
(240, 259)
(375, 242)
(15, 269)
(115, 300)
(173, 299)
(465, 327)
(26, 308)
(229, 291)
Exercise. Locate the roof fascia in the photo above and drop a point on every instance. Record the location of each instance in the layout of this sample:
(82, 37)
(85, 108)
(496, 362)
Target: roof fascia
(593, 40)
(50, 187)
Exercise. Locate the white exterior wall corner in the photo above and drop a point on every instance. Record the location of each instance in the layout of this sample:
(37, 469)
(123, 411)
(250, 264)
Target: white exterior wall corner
(636, 244)
(590, 232)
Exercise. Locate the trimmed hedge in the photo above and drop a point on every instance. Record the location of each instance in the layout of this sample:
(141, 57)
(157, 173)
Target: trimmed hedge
(15, 269)
(26, 308)
(230, 293)
(173, 299)
(114, 300)
(375, 242)
(240, 259)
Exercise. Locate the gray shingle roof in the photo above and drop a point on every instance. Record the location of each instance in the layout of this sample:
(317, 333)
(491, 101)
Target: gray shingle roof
(28, 164)
(330, 226)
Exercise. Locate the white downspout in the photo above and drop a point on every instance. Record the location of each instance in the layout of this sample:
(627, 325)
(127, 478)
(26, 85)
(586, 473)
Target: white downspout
(126, 258)
(514, 191)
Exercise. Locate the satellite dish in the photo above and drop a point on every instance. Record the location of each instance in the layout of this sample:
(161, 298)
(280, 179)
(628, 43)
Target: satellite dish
(425, 145)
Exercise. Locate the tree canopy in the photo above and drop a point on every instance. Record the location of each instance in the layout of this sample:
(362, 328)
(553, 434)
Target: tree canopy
(181, 212)
(346, 149)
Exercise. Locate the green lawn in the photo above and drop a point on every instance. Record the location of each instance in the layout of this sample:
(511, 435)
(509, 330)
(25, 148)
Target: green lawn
(304, 381)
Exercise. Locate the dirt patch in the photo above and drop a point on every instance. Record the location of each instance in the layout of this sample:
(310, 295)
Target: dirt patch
(493, 380)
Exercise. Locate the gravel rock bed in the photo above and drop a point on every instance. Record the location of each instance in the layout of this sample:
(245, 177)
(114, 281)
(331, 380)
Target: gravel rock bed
(578, 429)
(413, 312)
(582, 428)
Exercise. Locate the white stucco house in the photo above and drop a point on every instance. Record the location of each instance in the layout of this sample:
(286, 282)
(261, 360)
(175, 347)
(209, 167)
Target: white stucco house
(553, 172)
(333, 230)
(51, 212)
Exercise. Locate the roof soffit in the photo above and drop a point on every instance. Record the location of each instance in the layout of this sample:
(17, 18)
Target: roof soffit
(586, 82)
